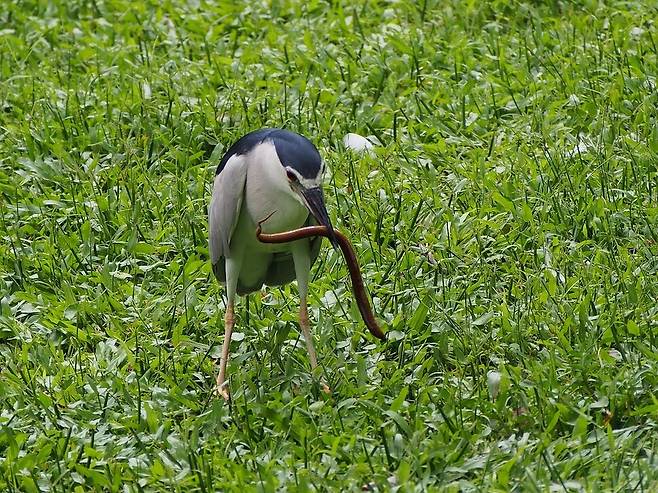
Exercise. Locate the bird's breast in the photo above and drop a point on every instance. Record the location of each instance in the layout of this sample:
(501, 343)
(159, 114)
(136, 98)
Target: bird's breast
(285, 211)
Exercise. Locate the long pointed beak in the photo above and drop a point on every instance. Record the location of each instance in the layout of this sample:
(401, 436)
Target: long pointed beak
(315, 203)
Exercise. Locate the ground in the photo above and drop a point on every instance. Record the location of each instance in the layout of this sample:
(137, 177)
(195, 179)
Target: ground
(506, 223)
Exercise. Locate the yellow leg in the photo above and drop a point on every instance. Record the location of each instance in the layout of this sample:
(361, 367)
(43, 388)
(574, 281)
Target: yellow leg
(302, 259)
(306, 329)
(229, 322)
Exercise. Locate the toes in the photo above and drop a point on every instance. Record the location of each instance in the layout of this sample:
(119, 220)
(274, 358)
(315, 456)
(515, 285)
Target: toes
(222, 392)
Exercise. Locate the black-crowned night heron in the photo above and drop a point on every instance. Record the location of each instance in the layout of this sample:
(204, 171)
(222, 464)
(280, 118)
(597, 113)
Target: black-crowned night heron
(275, 173)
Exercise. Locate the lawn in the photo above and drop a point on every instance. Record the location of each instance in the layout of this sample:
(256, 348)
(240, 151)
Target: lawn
(506, 223)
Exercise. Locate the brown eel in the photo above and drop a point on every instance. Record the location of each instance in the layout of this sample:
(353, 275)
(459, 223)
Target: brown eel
(350, 257)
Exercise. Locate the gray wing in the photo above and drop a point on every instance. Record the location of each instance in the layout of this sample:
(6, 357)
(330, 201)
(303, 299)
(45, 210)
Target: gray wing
(227, 195)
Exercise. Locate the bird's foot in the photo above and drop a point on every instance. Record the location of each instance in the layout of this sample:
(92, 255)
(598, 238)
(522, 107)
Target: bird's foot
(223, 393)
(221, 390)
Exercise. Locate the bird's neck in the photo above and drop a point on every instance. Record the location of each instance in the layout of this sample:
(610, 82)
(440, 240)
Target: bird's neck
(266, 193)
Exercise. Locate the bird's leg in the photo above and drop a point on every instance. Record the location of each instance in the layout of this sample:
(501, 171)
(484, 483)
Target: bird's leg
(229, 322)
(233, 265)
(302, 259)
(306, 329)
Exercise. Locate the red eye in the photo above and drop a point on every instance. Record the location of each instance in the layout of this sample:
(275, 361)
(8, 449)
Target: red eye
(291, 176)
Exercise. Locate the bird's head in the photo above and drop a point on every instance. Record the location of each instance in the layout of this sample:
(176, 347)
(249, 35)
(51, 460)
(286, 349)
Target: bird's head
(309, 191)
(304, 172)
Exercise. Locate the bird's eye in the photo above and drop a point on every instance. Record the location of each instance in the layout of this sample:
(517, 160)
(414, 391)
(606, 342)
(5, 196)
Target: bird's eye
(291, 176)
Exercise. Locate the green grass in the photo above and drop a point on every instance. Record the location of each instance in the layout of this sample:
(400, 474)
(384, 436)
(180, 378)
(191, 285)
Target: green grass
(508, 223)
